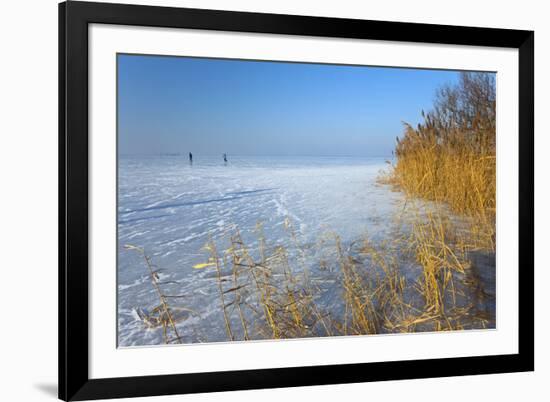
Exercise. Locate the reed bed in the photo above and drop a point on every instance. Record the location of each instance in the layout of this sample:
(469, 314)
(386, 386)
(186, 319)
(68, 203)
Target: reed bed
(450, 158)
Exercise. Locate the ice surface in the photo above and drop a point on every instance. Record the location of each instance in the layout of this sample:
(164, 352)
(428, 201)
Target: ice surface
(170, 208)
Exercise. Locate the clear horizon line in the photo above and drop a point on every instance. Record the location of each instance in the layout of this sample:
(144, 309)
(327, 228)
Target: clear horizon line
(185, 153)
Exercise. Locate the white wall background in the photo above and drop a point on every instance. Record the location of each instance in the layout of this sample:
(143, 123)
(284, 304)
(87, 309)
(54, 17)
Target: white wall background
(28, 197)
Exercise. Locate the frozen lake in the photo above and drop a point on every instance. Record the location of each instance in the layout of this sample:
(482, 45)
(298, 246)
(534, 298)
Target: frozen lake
(171, 208)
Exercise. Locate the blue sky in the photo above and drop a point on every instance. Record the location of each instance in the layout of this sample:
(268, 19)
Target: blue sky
(214, 106)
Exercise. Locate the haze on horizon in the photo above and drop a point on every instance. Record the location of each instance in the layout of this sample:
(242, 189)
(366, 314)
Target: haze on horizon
(214, 106)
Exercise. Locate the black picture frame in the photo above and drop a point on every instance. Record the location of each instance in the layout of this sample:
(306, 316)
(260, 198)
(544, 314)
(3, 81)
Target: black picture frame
(74, 18)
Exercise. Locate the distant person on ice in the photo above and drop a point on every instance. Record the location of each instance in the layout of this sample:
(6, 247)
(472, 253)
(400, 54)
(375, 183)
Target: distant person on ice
(190, 157)
(225, 158)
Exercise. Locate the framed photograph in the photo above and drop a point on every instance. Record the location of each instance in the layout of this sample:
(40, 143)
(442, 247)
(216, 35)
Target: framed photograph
(257, 200)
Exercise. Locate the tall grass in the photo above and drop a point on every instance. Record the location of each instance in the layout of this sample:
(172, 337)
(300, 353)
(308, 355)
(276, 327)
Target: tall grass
(451, 157)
